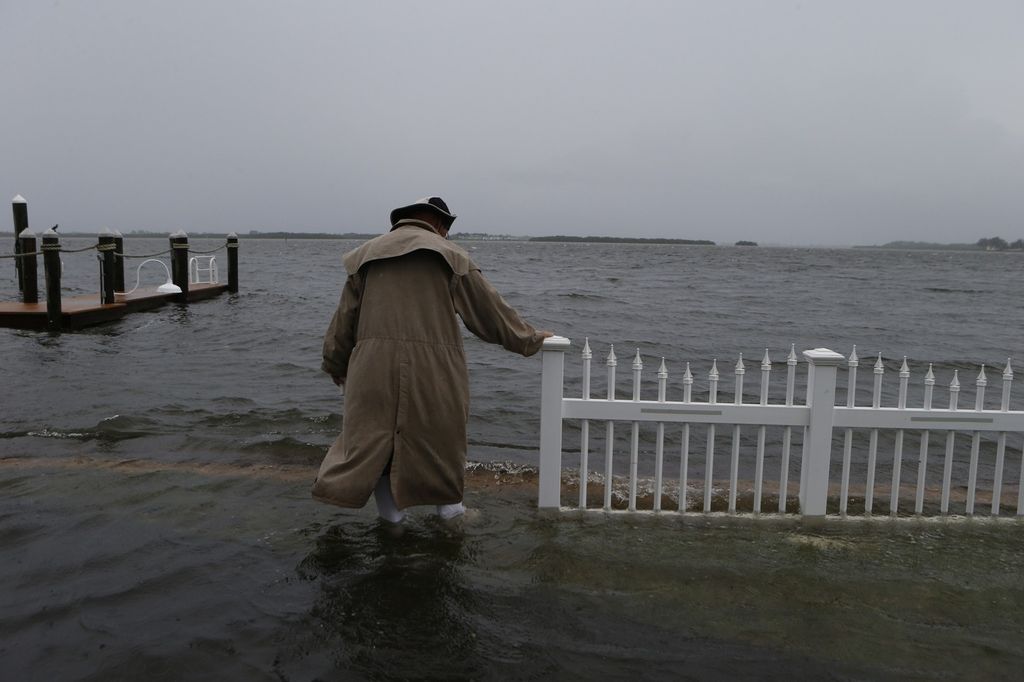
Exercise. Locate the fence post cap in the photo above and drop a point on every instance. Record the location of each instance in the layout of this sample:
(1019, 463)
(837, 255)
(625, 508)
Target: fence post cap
(556, 343)
(18, 199)
(823, 357)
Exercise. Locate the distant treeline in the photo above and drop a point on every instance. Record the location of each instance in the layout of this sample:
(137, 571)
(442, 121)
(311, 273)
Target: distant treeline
(983, 244)
(622, 240)
(1000, 244)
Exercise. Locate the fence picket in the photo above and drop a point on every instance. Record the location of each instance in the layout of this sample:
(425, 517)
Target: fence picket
(897, 463)
(947, 465)
(659, 451)
(634, 447)
(710, 460)
(1004, 406)
(766, 368)
(972, 476)
(851, 397)
(922, 465)
(876, 402)
(1020, 485)
(609, 437)
(585, 426)
(684, 448)
(734, 463)
(787, 433)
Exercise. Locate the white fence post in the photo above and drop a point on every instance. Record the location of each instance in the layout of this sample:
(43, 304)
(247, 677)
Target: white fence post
(817, 451)
(550, 484)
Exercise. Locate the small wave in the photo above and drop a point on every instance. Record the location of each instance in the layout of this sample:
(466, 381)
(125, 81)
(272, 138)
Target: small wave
(56, 433)
(583, 297)
(108, 429)
(500, 446)
(287, 449)
(506, 467)
(945, 290)
(121, 427)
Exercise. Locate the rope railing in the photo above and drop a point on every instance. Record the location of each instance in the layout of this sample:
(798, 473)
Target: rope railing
(145, 255)
(121, 255)
(224, 245)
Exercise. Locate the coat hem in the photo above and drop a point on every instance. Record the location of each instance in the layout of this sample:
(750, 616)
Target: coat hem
(347, 505)
(338, 503)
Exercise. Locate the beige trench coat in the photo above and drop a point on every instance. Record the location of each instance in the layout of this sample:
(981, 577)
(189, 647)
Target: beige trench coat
(396, 341)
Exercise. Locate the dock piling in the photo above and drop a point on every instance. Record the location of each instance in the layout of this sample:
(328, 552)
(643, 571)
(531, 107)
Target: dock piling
(51, 266)
(179, 263)
(118, 261)
(29, 268)
(232, 263)
(19, 207)
(105, 250)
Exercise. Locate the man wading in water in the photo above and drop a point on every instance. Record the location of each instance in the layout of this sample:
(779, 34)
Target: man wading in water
(395, 347)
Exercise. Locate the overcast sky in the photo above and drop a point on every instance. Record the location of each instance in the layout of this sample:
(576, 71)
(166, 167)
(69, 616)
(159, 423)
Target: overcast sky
(783, 122)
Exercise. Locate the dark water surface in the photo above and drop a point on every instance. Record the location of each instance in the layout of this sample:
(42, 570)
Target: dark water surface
(154, 474)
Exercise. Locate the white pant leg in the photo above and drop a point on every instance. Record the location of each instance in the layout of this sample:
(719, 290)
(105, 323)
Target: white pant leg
(450, 511)
(386, 508)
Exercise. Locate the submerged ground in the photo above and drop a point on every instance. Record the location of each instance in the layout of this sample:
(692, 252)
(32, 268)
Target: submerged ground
(118, 569)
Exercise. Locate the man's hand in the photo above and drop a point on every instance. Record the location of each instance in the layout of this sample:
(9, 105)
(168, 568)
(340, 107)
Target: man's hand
(546, 334)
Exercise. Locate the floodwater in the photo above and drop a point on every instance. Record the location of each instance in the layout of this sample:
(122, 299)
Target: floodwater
(154, 474)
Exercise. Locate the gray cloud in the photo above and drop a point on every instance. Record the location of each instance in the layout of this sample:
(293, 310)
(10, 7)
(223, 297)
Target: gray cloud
(823, 123)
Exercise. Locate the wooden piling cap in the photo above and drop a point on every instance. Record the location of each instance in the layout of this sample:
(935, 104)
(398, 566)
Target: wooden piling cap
(18, 199)
(179, 234)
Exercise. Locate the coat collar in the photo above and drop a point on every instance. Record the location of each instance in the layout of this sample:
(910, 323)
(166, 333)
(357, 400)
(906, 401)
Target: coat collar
(405, 237)
(413, 222)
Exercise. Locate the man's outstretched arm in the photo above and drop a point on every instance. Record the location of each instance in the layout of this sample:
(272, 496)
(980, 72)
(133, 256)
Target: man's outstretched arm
(487, 315)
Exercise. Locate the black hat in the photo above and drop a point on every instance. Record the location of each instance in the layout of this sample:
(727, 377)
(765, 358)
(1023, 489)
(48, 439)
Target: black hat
(434, 203)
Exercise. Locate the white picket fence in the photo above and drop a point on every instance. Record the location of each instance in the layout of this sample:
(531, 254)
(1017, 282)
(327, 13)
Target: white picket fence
(817, 418)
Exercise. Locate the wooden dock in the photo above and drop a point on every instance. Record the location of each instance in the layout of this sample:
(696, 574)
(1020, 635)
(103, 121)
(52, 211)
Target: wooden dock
(110, 303)
(84, 311)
